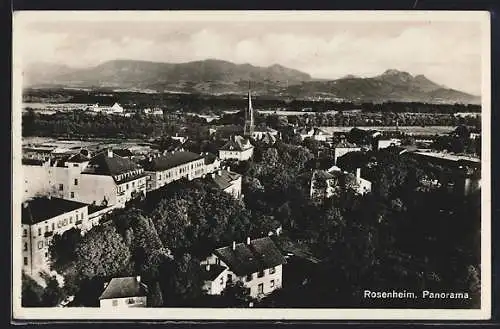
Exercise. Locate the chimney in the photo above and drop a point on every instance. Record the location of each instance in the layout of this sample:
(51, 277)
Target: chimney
(138, 278)
(248, 240)
(110, 153)
(234, 245)
(358, 173)
(207, 267)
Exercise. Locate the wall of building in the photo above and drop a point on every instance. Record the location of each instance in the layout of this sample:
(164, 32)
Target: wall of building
(364, 186)
(36, 241)
(125, 191)
(216, 286)
(94, 188)
(236, 155)
(210, 168)
(268, 287)
(124, 302)
(190, 170)
(36, 181)
(235, 188)
(253, 284)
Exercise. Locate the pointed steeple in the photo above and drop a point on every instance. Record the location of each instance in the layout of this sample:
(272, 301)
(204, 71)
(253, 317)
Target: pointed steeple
(249, 119)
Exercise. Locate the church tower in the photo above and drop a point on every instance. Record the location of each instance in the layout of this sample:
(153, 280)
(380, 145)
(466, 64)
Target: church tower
(249, 120)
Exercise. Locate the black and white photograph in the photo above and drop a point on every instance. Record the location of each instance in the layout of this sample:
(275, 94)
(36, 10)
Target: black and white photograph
(217, 165)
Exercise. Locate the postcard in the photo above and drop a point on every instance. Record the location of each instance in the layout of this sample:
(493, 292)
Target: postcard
(227, 165)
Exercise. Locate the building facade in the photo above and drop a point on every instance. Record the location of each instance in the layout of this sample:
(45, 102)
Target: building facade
(164, 169)
(258, 264)
(42, 219)
(237, 148)
(104, 179)
(124, 292)
(227, 181)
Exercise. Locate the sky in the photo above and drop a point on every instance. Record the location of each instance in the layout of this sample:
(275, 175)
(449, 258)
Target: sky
(448, 53)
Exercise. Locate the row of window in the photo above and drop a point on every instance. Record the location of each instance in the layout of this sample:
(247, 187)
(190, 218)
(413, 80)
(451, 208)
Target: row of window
(180, 171)
(121, 189)
(128, 174)
(129, 301)
(60, 223)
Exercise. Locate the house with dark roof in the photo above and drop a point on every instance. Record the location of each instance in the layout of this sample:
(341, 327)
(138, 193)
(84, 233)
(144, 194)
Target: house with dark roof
(258, 264)
(237, 148)
(343, 147)
(171, 166)
(227, 181)
(259, 132)
(105, 178)
(123, 293)
(41, 219)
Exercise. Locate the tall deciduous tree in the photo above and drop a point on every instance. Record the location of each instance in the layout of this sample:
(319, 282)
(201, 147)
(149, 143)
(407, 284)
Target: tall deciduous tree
(102, 252)
(62, 249)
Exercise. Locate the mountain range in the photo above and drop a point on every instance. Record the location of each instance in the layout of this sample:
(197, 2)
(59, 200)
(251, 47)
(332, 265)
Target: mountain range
(222, 77)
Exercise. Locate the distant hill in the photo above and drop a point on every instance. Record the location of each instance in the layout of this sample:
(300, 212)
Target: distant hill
(222, 77)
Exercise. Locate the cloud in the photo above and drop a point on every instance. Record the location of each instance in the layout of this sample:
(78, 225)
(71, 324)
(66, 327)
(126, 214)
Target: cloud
(449, 53)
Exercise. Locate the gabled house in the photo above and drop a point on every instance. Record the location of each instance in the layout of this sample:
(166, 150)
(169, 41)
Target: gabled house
(258, 264)
(110, 179)
(344, 147)
(227, 181)
(124, 293)
(237, 148)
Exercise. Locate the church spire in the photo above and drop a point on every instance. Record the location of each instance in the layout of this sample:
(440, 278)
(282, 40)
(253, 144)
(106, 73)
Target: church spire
(249, 119)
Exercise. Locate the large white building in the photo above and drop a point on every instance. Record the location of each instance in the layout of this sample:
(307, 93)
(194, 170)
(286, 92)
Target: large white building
(237, 148)
(258, 264)
(104, 179)
(115, 109)
(42, 218)
(124, 293)
(164, 169)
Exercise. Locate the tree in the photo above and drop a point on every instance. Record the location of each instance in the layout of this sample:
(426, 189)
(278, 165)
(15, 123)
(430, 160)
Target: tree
(53, 294)
(155, 296)
(182, 280)
(31, 292)
(102, 252)
(236, 295)
(62, 249)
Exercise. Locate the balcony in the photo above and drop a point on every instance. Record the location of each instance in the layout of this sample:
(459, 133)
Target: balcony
(48, 234)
